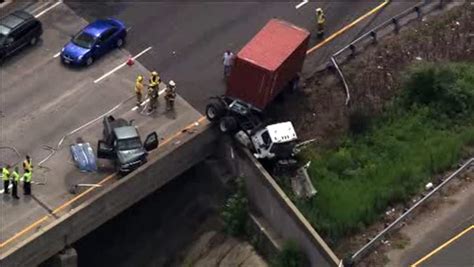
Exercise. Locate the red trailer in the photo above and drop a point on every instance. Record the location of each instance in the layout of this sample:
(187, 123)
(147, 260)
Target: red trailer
(268, 64)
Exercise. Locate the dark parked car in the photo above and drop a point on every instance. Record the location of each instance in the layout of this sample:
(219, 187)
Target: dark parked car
(17, 30)
(96, 39)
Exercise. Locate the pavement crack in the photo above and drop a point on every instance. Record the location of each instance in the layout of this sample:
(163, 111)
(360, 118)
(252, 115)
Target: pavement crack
(42, 204)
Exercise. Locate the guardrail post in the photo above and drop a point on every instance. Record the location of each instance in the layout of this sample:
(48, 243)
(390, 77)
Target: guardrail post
(417, 9)
(396, 25)
(373, 34)
(353, 49)
(441, 4)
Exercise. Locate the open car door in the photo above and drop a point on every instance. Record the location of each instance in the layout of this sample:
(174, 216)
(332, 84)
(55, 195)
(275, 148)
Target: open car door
(104, 151)
(151, 141)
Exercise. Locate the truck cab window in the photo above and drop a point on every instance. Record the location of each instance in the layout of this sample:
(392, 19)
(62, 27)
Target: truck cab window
(266, 139)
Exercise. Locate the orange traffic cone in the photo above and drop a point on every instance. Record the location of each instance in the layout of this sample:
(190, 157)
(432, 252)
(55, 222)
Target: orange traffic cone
(130, 61)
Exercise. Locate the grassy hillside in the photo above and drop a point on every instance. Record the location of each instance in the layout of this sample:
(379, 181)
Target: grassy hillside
(387, 159)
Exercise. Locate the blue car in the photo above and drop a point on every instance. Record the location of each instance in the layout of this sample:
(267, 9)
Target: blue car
(93, 41)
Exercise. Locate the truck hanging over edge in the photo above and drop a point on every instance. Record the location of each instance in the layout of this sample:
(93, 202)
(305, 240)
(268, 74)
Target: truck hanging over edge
(266, 66)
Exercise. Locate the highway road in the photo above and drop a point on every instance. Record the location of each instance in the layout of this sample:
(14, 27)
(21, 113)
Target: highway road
(190, 37)
(450, 238)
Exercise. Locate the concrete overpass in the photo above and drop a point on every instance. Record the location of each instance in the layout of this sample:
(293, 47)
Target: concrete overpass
(188, 148)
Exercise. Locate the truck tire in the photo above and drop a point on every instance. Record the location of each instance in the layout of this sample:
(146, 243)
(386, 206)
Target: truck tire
(228, 124)
(214, 111)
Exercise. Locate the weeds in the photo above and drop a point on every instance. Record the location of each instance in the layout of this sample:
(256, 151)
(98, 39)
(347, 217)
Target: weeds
(421, 134)
(290, 256)
(235, 212)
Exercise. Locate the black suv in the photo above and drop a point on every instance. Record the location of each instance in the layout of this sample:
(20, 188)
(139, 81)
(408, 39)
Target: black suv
(17, 30)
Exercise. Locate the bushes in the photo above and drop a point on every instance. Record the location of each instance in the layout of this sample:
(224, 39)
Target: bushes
(423, 133)
(446, 89)
(235, 212)
(290, 256)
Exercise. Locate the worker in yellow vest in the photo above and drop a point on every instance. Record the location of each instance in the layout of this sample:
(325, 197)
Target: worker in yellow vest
(27, 183)
(27, 164)
(321, 21)
(15, 181)
(139, 89)
(153, 87)
(6, 178)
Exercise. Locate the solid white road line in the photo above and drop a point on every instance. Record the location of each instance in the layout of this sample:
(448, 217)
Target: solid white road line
(304, 2)
(39, 8)
(48, 9)
(57, 55)
(148, 100)
(121, 66)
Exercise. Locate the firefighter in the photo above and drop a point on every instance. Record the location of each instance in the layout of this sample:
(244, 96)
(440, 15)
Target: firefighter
(153, 87)
(27, 183)
(27, 164)
(320, 20)
(15, 180)
(6, 178)
(170, 95)
(139, 89)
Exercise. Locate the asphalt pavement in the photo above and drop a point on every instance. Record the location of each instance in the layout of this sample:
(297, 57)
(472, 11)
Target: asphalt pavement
(451, 241)
(189, 38)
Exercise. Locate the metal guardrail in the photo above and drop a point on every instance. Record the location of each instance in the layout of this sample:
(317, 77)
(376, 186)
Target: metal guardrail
(395, 22)
(362, 251)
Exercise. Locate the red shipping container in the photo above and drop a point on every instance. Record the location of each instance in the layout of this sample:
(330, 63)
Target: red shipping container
(268, 63)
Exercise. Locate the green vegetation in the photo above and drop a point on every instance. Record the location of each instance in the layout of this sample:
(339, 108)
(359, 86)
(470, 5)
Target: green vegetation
(235, 212)
(289, 256)
(385, 160)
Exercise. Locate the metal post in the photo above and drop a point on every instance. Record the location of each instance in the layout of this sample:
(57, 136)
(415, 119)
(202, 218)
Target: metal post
(373, 34)
(396, 25)
(353, 49)
(418, 11)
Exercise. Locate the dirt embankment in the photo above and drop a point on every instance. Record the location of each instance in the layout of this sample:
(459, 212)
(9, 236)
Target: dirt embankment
(374, 76)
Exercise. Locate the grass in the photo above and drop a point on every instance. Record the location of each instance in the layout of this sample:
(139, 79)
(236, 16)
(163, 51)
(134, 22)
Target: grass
(423, 133)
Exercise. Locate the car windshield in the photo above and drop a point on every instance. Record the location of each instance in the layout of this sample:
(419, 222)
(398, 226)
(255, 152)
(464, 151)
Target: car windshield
(129, 144)
(84, 40)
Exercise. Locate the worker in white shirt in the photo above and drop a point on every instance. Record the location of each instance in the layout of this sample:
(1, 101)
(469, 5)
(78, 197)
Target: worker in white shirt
(228, 59)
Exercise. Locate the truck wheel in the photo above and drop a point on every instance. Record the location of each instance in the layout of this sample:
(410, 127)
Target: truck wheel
(228, 124)
(214, 111)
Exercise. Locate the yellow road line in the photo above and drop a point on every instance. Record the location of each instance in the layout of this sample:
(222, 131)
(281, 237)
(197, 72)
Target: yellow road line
(447, 243)
(81, 195)
(26, 229)
(347, 27)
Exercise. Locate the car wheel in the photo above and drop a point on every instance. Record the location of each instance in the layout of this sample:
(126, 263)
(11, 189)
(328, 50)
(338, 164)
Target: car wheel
(34, 40)
(119, 42)
(89, 61)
